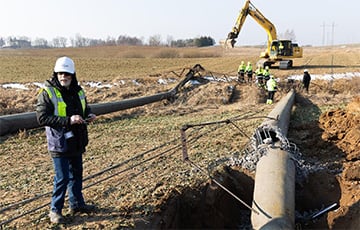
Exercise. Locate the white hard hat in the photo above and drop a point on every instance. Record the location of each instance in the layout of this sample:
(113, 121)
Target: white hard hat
(305, 70)
(64, 64)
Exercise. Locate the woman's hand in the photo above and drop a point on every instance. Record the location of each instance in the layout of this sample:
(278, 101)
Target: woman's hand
(76, 119)
(91, 117)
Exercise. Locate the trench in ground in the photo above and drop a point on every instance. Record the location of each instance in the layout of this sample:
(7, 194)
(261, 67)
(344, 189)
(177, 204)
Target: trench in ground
(210, 207)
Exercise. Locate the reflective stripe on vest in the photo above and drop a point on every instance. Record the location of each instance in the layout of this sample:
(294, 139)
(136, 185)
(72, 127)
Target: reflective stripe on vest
(271, 84)
(58, 101)
(82, 99)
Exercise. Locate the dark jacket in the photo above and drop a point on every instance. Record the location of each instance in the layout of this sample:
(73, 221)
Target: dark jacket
(306, 78)
(56, 127)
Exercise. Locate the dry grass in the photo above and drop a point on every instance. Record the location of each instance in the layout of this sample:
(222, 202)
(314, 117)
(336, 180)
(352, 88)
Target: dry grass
(145, 178)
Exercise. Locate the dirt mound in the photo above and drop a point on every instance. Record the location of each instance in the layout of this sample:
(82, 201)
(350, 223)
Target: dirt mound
(343, 127)
(208, 94)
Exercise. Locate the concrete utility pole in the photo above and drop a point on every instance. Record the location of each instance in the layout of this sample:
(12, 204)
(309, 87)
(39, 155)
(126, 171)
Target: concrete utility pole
(14, 122)
(274, 189)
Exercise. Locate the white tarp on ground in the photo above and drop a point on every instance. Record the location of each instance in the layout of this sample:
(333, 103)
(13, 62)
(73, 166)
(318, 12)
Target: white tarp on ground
(327, 77)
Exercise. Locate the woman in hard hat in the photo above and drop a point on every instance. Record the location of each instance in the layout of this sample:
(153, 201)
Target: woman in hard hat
(63, 110)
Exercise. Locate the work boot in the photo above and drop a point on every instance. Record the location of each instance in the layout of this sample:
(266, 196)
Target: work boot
(83, 209)
(56, 218)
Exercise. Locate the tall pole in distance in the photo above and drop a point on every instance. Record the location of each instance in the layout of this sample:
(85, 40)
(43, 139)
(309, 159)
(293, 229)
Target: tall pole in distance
(323, 35)
(332, 33)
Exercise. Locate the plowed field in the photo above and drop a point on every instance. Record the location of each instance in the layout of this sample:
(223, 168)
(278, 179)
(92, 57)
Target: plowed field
(133, 167)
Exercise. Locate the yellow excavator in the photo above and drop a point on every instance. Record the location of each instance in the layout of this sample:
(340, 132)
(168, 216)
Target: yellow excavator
(281, 51)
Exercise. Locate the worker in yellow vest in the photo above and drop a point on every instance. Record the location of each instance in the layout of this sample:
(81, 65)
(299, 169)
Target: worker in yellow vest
(266, 73)
(271, 87)
(281, 48)
(241, 72)
(249, 72)
(259, 73)
(63, 110)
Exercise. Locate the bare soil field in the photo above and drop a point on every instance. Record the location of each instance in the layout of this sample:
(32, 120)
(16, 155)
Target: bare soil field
(133, 167)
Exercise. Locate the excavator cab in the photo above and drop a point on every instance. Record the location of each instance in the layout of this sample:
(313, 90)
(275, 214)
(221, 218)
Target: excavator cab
(281, 51)
(281, 48)
(284, 48)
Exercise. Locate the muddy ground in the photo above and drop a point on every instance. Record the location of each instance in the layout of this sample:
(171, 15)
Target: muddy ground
(325, 126)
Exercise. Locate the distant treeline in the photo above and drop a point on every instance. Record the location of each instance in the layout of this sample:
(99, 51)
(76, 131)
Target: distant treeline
(122, 40)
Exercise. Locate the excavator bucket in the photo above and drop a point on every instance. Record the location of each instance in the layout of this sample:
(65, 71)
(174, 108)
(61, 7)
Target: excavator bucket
(227, 43)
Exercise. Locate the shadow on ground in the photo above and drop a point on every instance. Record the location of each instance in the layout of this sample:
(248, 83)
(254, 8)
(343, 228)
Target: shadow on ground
(208, 207)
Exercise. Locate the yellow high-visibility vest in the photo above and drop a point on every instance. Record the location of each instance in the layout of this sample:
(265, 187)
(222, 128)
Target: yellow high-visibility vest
(271, 84)
(58, 101)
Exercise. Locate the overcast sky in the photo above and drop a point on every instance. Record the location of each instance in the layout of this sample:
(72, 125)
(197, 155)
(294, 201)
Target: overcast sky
(181, 19)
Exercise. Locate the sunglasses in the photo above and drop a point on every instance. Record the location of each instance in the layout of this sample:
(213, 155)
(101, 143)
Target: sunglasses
(65, 74)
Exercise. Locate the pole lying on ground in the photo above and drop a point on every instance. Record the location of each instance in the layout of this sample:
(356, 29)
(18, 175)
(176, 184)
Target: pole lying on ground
(15, 122)
(281, 113)
(104, 108)
(274, 191)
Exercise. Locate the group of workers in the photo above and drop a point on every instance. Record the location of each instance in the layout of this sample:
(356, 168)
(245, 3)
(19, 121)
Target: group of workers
(264, 79)
(262, 74)
(245, 69)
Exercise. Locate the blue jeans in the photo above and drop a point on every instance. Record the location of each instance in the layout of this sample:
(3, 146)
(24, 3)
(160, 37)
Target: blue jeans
(68, 176)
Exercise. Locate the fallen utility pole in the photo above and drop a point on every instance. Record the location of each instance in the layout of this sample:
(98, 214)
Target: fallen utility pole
(15, 122)
(274, 190)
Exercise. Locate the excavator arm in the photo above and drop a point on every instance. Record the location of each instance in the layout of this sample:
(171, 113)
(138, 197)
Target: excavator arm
(238, 24)
(276, 50)
(250, 9)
